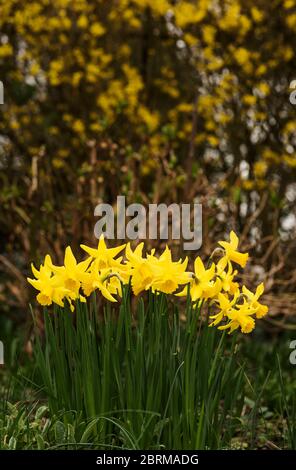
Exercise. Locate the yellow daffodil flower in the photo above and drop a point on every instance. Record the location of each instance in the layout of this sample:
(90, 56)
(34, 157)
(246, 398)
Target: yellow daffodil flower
(225, 305)
(226, 277)
(70, 273)
(168, 274)
(106, 259)
(49, 286)
(139, 269)
(231, 252)
(160, 274)
(104, 255)
(240, 316)
(105, 272)
(202, 284)
(261, 310)
(105, 280)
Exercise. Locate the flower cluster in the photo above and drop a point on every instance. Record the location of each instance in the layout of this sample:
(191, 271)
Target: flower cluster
(105, 271)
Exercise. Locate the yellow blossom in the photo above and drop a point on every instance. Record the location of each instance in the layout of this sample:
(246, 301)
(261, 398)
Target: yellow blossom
(231, 252)
(261, 310)
(50, 287)
(202, 285)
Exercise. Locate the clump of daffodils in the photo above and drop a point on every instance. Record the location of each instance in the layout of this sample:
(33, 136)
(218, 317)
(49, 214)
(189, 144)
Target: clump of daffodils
(105, 271)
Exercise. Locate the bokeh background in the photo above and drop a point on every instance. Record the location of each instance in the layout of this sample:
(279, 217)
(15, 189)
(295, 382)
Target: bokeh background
(158, 100)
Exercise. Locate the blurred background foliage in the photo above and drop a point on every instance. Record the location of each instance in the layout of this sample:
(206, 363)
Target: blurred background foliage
(158, 100)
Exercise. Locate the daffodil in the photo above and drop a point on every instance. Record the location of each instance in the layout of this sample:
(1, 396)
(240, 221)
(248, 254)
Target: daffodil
(139, 269)
(95, 278)
(160, 274)
(231, 252)
(240, 317)
(226, 277)
(49, 286)
(105, 271)
(225, 305)
(203, 283)
(104, 255)
(168, 275)
(261, 310)
(70, 273)
(239, 310)
(106, 259)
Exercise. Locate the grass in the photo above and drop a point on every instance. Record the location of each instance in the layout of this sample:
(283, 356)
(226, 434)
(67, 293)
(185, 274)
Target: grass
(146, 381)
(146, 377)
